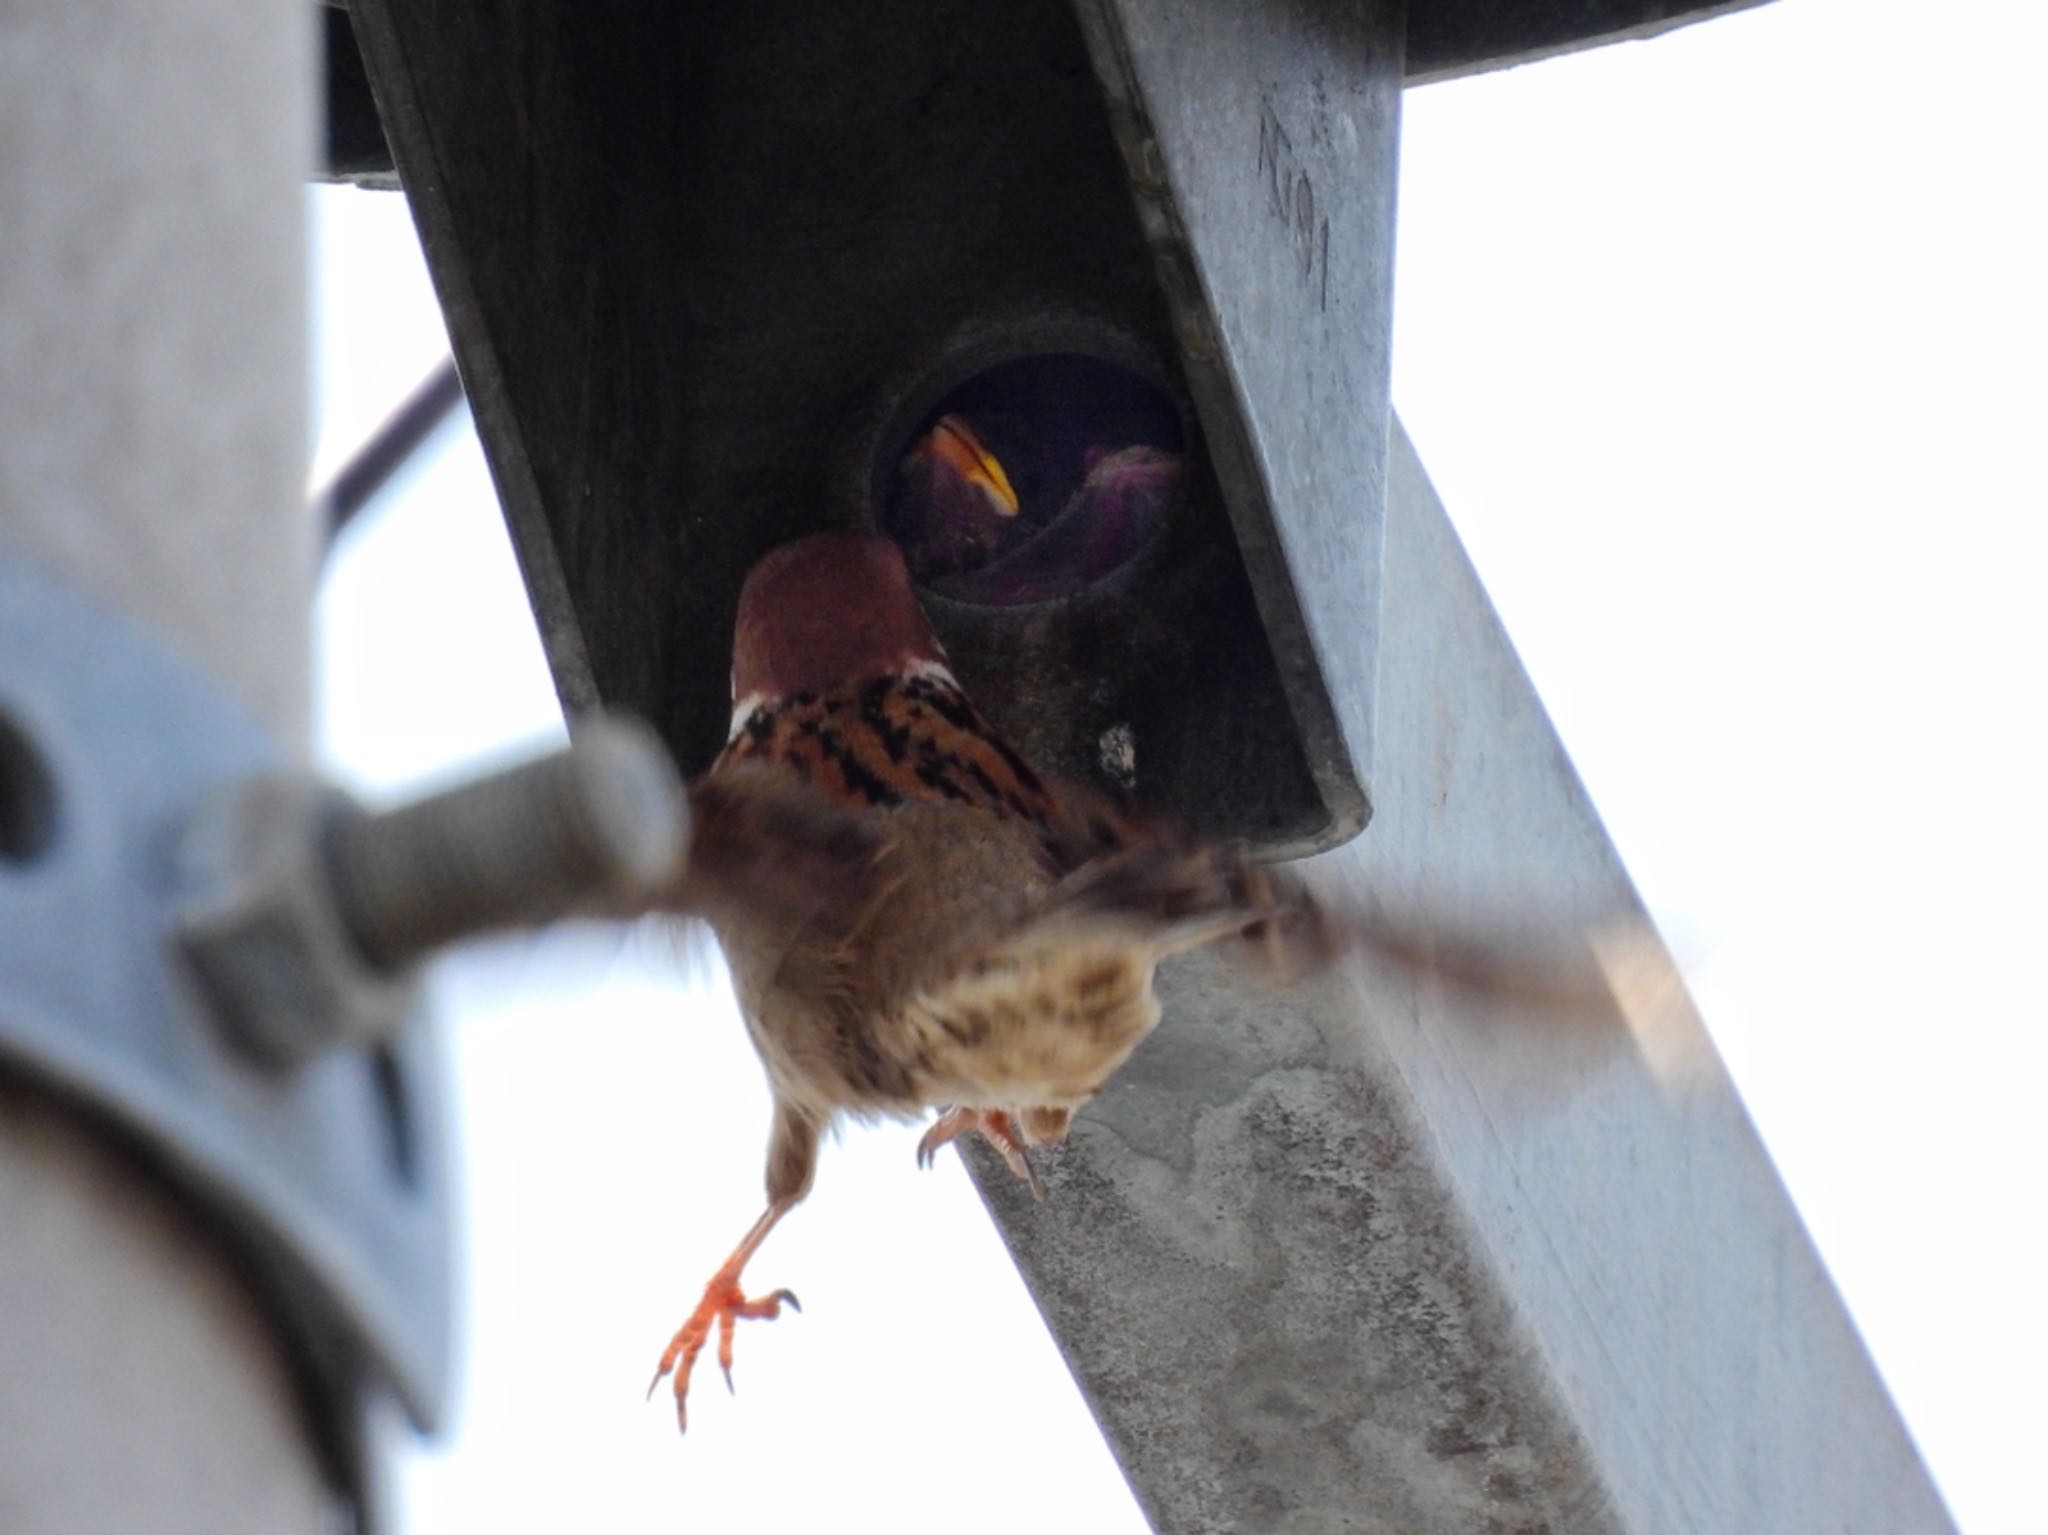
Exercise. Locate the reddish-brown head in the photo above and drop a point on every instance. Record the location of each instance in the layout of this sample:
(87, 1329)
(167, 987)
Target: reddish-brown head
(827, 610)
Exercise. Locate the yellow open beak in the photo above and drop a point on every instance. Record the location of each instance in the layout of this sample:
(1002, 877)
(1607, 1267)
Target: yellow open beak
(953, 441)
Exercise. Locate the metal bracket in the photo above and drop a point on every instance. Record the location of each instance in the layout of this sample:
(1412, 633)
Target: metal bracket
(333, 1177)
(840, 220)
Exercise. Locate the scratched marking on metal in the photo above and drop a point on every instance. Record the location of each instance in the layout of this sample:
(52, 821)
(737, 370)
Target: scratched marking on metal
(1291, 199)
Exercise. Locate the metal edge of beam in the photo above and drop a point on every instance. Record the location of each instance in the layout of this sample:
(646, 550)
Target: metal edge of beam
(1655, 21)
(1262, 154)
(1368, 1257)
(1262, 151)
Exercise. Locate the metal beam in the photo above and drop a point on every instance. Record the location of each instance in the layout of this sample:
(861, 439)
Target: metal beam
(1366, 1258)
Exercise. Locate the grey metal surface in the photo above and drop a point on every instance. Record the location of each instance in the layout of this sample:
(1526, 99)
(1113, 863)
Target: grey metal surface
(1369, 1258)
(333, 1179)
(1261, 146)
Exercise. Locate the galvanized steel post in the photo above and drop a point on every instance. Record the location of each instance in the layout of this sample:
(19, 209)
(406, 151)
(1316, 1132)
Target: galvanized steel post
(152, 456)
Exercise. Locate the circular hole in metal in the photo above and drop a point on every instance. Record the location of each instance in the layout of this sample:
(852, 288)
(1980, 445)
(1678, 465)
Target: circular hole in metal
(1034, 478)
(28, 798)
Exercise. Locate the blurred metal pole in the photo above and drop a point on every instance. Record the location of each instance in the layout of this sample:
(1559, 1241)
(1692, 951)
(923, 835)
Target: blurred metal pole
(152, 366)
(152, 324)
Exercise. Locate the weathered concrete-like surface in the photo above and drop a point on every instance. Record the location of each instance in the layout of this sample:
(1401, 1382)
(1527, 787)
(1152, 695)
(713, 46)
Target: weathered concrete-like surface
(1361, 1258)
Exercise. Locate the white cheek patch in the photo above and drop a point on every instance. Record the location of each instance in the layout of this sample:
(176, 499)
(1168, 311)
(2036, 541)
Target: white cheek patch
(746, 710)
(743, 712)
(928, 670)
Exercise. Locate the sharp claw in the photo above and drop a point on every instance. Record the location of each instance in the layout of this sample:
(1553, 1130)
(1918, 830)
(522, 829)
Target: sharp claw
(1020, 1165)
(997, 1129)
(929, 1143)
(788, 1298)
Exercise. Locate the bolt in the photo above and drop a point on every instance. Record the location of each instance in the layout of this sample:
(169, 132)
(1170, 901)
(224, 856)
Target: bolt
(303, 911)
(585, 830)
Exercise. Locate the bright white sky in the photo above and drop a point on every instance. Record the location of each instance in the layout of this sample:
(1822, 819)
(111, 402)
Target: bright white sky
(1726, 353)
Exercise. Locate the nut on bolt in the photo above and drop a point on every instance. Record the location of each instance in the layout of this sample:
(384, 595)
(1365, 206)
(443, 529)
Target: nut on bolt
(306, 911)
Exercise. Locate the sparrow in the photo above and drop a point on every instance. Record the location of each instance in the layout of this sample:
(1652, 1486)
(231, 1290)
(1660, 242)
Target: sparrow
(914, 917)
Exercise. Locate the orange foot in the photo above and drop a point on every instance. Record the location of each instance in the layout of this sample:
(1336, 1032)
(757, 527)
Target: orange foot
(992, 1125)
(725, 1304)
